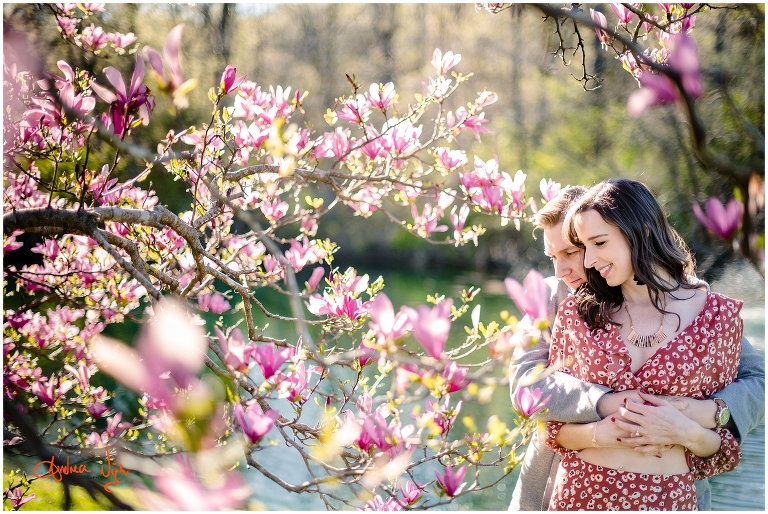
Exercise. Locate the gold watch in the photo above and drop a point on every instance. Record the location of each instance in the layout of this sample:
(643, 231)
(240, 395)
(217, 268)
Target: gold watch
(722, 414)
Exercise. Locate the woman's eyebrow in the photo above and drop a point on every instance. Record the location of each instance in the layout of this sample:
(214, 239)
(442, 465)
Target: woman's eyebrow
(595, 237)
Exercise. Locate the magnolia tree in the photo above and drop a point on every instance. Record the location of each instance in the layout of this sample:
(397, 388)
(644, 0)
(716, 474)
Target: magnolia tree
(364, 394)
(654, 43)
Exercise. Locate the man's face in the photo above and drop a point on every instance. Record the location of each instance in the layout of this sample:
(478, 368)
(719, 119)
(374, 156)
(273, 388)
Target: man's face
(567, 259)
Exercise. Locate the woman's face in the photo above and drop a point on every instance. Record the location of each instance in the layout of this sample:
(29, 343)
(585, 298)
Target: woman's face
(605, 248)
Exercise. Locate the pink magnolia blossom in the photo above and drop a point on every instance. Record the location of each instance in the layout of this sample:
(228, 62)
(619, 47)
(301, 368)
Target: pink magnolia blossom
(94, 6)
(97, 409)
(381, 96)
(437, 87)
(236, 352)
(67, 24)
(378, 504)
(302, 254)
(80, 104)
(655, 90)
(455, 375)
(684, 59)
(485, 185)
(529, 401)
(121, 40)
(50, 249)
(402, 138)
(211, 141)
(387, 326)
(378, 435)
(97, 440)
(451, 481)
(622, 13)
(659, 88)
(487, 98)
(688, 24)
(426, 222)
(337, 305)
(549, 189)
(114, 427)
(443, 416)
(171, 83)
(443, 63)
(599, 19)
(125, 103)
(355, 110)
(169, 354)
(67, 7)
(723, 221)
(229, 80)
(179, 488)
(366, 354)
(374, 147)
(335, 144)
(317, 275)
(647, 25)
(269, 358)
(430, 326)
(629, 63)
(294, 386)
(411, 492)
(450, 159)
(255, 425)
(82, 374)
(274, 209)
(459, 219)
(50, 390)
(17, 497)
(532, 298)
(472, 122)
(93, 37)
(213, 302)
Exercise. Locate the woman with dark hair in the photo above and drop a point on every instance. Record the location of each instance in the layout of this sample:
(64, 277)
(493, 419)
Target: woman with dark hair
(641, 322)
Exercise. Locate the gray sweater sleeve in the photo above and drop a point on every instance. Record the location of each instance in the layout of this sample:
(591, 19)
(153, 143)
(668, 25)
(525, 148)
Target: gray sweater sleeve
(745, 397)
(573, 400)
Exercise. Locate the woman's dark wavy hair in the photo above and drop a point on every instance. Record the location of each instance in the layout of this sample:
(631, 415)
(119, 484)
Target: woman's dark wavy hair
(656, 247)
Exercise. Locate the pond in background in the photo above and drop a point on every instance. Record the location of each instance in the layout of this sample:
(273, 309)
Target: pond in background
(742, 489)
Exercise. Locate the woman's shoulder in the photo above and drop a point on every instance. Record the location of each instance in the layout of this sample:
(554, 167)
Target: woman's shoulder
(720, 302)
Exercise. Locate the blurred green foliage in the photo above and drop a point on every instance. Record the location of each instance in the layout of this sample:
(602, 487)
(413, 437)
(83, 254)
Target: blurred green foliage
(544, 122)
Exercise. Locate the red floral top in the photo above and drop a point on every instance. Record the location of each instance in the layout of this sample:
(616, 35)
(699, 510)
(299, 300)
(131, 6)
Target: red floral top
(698, 362)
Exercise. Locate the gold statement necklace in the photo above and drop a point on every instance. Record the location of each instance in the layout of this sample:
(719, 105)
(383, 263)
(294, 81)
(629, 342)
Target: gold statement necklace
(649, 340)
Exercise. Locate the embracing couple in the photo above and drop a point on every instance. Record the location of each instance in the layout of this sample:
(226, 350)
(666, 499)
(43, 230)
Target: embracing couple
(653, 386)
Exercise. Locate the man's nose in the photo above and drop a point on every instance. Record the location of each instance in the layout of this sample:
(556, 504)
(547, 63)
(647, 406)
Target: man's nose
(561, 269)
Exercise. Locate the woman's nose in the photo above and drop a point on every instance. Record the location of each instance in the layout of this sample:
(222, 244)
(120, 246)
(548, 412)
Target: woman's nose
(589, 259)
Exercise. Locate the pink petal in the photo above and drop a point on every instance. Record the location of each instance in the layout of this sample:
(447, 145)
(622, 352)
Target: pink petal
(116, 79)
(172, 53)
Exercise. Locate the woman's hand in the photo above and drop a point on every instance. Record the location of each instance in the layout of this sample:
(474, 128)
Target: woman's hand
(657, 422)
(609, 403)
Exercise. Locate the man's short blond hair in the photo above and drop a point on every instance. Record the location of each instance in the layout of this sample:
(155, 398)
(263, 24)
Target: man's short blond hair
(554, 210)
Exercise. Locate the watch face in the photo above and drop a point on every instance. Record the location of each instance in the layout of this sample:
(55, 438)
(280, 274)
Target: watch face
(724, 416)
